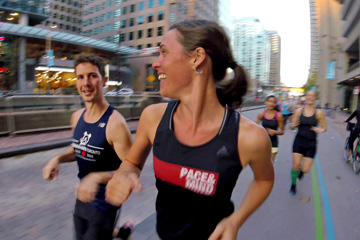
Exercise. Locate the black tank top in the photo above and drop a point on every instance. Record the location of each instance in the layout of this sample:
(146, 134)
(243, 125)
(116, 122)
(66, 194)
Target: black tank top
(272, 124)
(94, 153)
(194, 183)
(305, 125)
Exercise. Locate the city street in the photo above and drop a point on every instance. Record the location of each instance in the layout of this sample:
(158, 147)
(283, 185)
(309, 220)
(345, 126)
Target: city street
(325, 207)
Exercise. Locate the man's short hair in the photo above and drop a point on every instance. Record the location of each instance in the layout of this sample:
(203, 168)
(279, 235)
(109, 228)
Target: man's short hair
(93, 59)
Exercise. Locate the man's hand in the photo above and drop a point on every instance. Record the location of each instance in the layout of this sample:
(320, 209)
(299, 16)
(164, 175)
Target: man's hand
(120, 187)
(51, 170)
(88, 187)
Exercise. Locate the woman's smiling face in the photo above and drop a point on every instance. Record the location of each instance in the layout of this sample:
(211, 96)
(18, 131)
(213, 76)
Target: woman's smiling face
(173, 66)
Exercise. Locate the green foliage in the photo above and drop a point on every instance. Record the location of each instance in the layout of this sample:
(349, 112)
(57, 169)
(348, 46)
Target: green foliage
(311, 82)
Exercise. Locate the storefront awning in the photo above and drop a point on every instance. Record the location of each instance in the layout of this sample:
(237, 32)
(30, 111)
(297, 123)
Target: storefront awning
(36, 32)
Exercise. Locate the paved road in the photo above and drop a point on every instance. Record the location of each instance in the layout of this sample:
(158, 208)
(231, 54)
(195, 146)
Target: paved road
(326, 206)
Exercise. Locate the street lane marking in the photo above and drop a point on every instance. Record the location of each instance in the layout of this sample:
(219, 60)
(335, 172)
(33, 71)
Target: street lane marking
(319, 233)
(326, 202)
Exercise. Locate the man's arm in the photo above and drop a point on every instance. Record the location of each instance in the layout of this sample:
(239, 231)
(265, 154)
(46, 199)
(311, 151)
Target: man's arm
(51, 170)
(351, 116)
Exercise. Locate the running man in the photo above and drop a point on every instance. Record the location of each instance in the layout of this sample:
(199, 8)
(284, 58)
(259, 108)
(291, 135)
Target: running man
(306, 119)
(101, 138)
(272, 120)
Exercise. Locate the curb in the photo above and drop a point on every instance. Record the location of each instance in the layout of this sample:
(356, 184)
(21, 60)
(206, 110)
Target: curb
(36, 147)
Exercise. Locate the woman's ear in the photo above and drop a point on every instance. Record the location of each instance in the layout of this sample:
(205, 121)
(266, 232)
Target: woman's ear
(198, 57)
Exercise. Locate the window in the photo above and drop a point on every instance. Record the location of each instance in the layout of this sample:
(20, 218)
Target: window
(141, 6)
(122, 37)
(161, 2)
(131, 36)
(123, 23)
(132, 8)
(158, 44)
(108, 39)
(132, 22)
(160, 31)
(108, 28)
(117, 12)
(140, 34)
(151, 3)
(148, 45)
(116, 38)
(124, 10)
(139, 47)
(150, 17)
(140, 20)
(102, 29)
(161, 15)
(149, 32)
(102, 18)
(109, 14)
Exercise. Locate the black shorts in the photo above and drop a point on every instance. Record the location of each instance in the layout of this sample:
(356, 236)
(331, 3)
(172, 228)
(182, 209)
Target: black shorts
(92, 223)
(304, 146)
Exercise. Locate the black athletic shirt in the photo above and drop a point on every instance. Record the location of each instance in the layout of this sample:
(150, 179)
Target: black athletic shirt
(94, 153)
(194, 183)
(272, 124)
(356, 114)
(305, 125)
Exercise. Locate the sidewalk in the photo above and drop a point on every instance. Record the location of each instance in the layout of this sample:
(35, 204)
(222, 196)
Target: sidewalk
(39, 141)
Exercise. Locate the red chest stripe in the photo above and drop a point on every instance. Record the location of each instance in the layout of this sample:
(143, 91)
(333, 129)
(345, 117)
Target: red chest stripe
(195, 180)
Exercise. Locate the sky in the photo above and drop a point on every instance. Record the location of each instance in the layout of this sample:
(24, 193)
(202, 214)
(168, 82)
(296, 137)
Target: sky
(291, 19)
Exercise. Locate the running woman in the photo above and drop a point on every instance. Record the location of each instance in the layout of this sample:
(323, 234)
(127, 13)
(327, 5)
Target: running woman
(272, 120)
(306, 120)
(200, 143)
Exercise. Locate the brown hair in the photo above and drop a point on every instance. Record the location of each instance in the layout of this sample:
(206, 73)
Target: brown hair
(209, 35)
(94, 60)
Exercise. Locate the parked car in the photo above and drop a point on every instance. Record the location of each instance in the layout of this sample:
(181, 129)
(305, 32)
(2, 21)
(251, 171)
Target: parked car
(111, 93)
(125, 92)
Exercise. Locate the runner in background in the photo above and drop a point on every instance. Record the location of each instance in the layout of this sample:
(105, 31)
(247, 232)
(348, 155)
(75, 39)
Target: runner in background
(272, 120)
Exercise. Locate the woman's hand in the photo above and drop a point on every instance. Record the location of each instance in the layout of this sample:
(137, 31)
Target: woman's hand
(318, 130)
(271, 132)
(120, 187)
(225, 230)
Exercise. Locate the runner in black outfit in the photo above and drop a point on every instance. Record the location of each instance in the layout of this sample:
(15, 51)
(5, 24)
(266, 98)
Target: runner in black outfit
(355, 132)
(101, 139)
(200, 143)
(272, 120)
(306, 119)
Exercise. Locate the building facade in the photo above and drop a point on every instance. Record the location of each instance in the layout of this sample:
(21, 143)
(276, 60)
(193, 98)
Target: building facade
(252, 50)
(314, 28)
(326, 19)
(348, 61)
(65, 15)
(275, 59)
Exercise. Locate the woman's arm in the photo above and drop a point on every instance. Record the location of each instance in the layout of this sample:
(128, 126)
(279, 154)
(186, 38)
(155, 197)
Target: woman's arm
(259, 117)
(126, 178)
(255, 151)
(320, 116)
(280, 120)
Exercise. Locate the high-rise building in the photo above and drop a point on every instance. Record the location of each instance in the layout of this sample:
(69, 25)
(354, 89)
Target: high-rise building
(140, 23)
(275, 57)
(315, 48)
(348, 61)
(326, 39)
(65, 15)
(225, 18)
(252, 50)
